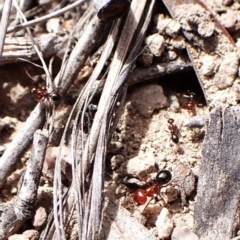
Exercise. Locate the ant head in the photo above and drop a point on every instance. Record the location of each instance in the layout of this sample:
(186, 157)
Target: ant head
(175, 138)
(92, 107)
(170, 120)
(192, 95)
(33, 90)
(56, 97)
(163, 177)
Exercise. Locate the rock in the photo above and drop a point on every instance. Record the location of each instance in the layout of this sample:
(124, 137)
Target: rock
(116, 161)
(18, 237)
(229, 20)
(164, 224)
(140, 167)
(167, 26)
(53, 25)
(146, 58)
(40, 218)
(208, 65)
(183, 233)
(227, 2)
(169, 193)
(185, 180)
(178, 42)
(174, 103)
(148, 98)
(155, 44)
(227, 71)
(31, 234)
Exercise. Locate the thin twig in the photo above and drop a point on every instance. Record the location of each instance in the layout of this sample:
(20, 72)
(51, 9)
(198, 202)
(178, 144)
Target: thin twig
(75, 62)
(21, 142)
(4, 22)
(158, 70)
(18, 48)
(48, 76)
(45, 17)
(94, 150)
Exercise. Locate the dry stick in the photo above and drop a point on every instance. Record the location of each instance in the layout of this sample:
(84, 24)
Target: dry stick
(216, 212)
(100, 121)
(78, 136)
(45, 18)
(37, 117)
(112, 75)
(4, 22)
(125, 76)
(70, 71)
(89, 40)
(17, 213)
(139, 75)
(25, 4)
(111, 9)
(21, 142)
(158, 70)
(16, 48)
(75, 193)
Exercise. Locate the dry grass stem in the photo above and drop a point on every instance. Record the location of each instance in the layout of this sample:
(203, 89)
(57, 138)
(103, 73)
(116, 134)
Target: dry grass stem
(4, 22)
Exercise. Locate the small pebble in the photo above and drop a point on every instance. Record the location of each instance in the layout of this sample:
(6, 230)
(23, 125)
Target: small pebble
(146, 58)
(183, 233)
(53, 25)
(140, 167)
(174, 103)
(229, 20)
(185, 177)
(31, 234)
(227, 2)
(14, 190)
(148, 98)
(167, 26)
(40, 218)
(164, 224)
(208, 65)
(196, 121)
(116, 161)
(18, 237)
(155, 44)
(227, 71)
(170, 194)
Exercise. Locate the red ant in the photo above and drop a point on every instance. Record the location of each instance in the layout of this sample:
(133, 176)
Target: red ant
(190, 105)
(41, 94)
(140, 195)
(174, 130)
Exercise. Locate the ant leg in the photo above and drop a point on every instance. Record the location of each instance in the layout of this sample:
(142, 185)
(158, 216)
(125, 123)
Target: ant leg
(144, 207)
(164, 201)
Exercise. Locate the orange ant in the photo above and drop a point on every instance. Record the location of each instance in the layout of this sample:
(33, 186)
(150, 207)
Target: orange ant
(140, 195)
(190, 105)
(41, 94)
(174, 130)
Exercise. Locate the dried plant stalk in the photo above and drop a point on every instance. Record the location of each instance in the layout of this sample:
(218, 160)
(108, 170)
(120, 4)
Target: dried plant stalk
(4, 22)
(99, 134)
(15, 214)
(21, 47)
